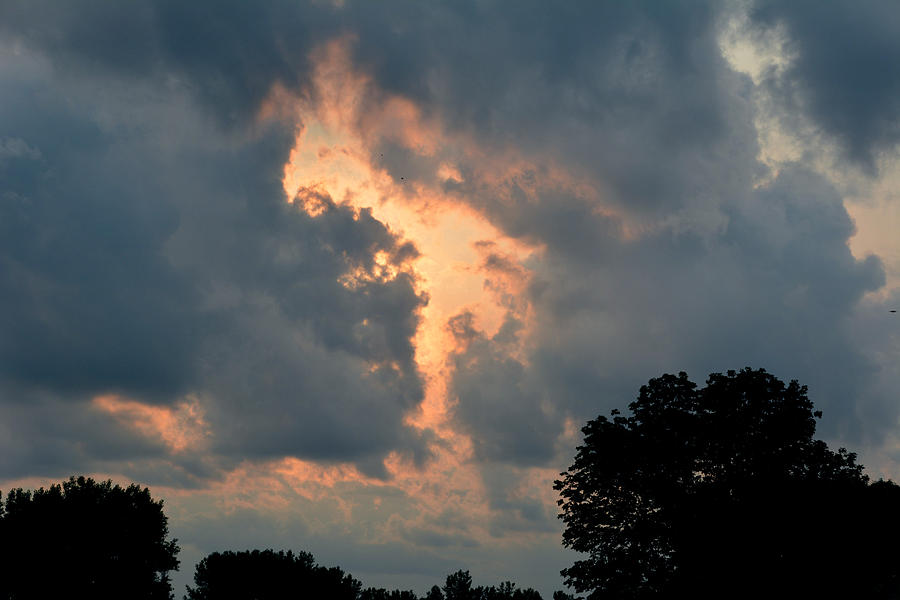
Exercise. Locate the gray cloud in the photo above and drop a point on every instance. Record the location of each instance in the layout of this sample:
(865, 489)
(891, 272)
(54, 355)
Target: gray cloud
(721, 272)
(43, 435)
(509, 417)
(89, 299)
(227, 54)
(843, 73)
(777, 287)
(634, 95)
(644, 78)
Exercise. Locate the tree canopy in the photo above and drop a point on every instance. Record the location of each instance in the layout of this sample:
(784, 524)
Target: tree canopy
(269, 575)
(724, 492)
(87, 538)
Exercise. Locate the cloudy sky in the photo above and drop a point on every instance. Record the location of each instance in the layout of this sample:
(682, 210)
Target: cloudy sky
(348, 277)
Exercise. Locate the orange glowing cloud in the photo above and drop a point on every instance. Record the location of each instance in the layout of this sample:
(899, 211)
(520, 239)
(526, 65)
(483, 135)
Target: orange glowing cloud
(463, 262)
(180, 428)
(346, 120)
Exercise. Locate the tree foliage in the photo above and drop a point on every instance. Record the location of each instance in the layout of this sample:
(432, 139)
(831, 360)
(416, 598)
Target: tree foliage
(269, 575)
(434, 593)
(724, 492)
(458, 586)
(383, 594)
(85, 538)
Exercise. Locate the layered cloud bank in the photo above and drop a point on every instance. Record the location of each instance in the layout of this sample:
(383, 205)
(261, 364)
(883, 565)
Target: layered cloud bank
(348, 277)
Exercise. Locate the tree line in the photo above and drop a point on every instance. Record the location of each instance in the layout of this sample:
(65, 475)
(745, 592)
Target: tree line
(93, 539)
(267, 574)
(714, 492)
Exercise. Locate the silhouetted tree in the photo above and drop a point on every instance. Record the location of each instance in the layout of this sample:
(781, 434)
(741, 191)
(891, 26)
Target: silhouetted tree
(723, 492)
(383, 594)
(269, 575)
(434, 593)
(508, 591)
(85, 539)
(458, 586)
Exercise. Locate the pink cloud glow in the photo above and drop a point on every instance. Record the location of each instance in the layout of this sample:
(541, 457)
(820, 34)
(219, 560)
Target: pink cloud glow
(181, 428)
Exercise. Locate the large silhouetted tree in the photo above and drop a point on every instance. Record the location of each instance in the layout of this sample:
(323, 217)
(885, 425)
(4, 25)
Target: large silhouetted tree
(724, 492)
(85, 539)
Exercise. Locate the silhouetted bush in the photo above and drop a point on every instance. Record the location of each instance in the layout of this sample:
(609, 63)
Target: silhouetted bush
(85, 539)
(723, 492)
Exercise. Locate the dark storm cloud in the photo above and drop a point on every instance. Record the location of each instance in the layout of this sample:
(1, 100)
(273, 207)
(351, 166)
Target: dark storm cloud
(721, 273)
(148, 254)
(227, 53)
(776, 287)
(637, 99)
(89, 302)
(634, 94)
(508, 417)
(203, 281)
(303, 332)
(643, 77)
(843, 70)
(237, 293)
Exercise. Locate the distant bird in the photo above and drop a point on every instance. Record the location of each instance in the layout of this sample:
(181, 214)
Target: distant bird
(893, 311)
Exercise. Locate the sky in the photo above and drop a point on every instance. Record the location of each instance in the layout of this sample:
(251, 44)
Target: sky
(349, 277)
